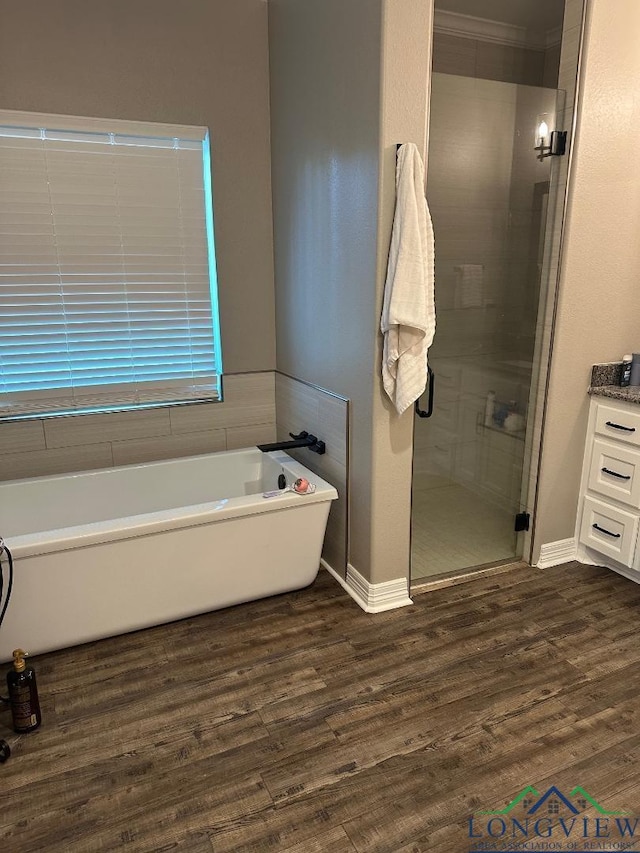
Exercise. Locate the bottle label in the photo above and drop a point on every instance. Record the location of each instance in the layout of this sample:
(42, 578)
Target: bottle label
(21, 707)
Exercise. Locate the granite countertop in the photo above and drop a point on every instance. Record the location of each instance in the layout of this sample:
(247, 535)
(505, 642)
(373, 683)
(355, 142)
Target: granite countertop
(605, 382)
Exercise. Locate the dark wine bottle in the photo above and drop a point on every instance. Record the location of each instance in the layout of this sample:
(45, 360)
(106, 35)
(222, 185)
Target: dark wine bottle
(23, 695)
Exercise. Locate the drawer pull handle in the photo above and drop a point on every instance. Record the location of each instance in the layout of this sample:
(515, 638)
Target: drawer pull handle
(615, 474)
(619, 426)
(608, 532)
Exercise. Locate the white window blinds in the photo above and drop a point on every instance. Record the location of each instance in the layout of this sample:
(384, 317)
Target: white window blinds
(107, 272)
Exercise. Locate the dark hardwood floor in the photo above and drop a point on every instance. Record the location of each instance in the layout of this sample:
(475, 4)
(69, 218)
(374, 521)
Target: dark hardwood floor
(301, 724)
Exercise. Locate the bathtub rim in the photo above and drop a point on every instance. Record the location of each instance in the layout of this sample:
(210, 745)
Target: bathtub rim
(193, 515)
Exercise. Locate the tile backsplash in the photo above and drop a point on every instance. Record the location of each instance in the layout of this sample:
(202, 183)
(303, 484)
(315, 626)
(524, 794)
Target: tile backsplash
(300, 406)
(80, 442)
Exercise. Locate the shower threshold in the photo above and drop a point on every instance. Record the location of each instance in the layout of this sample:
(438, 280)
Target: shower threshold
(460, 576)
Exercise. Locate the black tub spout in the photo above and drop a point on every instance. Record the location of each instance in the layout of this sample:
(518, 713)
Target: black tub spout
(303, 439)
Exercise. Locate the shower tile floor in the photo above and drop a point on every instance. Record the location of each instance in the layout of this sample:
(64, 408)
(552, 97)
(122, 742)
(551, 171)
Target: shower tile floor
(454, 528)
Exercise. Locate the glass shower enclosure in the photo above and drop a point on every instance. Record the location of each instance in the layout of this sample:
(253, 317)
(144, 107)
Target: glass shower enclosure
(488, 191)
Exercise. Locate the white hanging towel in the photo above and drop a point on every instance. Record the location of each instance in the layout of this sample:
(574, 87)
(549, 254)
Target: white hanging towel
(408, 314)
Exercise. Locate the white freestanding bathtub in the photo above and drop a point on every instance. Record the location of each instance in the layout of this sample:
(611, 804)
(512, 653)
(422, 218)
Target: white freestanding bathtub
(99, 553)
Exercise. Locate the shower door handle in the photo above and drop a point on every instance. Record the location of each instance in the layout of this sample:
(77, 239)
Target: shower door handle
(432, 382)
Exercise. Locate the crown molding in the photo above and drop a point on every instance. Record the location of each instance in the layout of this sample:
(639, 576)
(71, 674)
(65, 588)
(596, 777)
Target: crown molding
(498, 32)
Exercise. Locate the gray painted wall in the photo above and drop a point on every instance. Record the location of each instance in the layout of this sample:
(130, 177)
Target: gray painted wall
(325, 105)
(186, 62)
(406, 63)
(348, 81)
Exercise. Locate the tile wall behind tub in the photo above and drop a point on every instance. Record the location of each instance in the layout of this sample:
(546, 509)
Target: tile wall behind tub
(304, 407)
(80, 442)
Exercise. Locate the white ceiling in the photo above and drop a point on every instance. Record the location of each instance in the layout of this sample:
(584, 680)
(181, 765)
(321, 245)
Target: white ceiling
(532, 14)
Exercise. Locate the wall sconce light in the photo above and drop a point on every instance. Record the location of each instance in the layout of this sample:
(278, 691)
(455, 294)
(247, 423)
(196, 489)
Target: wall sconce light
(556, 145)
(542, 132)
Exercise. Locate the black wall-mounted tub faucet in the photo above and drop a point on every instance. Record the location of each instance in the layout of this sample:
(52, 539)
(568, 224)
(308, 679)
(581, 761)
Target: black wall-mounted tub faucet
(303, 439)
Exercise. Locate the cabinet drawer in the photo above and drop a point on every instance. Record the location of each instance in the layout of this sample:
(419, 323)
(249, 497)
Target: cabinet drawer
(619, 424)
(609, 530)
(614, 472)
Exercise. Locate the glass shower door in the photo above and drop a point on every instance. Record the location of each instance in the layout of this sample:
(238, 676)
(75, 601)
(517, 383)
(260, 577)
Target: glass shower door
(488, 191)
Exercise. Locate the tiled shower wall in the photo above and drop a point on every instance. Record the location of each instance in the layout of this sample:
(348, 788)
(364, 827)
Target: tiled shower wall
(530, 184)
(80, 442)
(498, 220)
(469, 57)
(466, 57)
(469, 186)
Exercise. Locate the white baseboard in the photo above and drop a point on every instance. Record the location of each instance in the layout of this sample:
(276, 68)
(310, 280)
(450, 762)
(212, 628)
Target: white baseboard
(556, 553)
(372, 597)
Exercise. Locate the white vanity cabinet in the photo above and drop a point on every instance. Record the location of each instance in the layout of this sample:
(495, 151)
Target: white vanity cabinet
(609, 510)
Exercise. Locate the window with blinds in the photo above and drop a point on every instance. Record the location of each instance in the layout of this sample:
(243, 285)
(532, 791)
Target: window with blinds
(108, 295)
